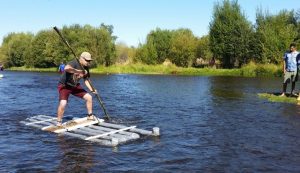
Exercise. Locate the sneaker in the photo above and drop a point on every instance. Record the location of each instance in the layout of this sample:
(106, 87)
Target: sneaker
(91, 116)
(59, 123)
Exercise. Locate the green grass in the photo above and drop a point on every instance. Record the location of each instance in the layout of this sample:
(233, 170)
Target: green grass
(276, 98)
(52, 69)
(262, 70)
(209, 72)
(249, 70)
(132, 69)
(162, 69)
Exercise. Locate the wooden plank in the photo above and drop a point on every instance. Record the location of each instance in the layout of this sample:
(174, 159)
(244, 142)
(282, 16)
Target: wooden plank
(109, 133)
(71, 125)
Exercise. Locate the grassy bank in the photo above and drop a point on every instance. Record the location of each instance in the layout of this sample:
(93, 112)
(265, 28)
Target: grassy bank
(146, 69)
(52, 69)
(261, 70)
(162, 69)
(275, 97)
(249, 70)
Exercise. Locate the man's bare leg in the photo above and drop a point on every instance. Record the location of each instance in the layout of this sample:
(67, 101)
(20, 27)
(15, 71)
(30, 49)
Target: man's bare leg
(283, 89)
(61, 110)
(89, 104)
(293, 89)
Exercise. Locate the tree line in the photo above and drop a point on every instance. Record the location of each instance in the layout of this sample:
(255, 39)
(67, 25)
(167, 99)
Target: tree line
(45, 49)
(232, 41)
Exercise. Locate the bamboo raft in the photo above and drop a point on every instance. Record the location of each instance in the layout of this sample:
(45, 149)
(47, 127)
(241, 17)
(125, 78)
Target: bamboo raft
(98, 131)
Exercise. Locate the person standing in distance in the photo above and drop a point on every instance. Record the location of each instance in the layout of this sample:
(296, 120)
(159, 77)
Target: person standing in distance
(69, 84)
(61, 67)
(290, 69)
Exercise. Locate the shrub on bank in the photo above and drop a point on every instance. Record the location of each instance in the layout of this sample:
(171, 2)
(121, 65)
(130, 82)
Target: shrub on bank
(261, 70)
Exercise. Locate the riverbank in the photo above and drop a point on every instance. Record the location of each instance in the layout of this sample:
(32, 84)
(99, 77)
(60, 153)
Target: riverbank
(275, 97)
(249, 70)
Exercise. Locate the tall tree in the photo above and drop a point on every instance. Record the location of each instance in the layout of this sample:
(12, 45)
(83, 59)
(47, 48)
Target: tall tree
(15, 48)
(105, 49)
(124, 54)
(99, 41)
(183, 46)
(45, 49)
(176, 45)
(274, 34)
(203, 49)
(42, 50)
(142, 54)
(230, 33)
(146, 53)
(297, 23)
(161, 40)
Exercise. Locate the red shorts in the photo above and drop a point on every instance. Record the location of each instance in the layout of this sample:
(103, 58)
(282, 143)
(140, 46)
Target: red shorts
(65, 91)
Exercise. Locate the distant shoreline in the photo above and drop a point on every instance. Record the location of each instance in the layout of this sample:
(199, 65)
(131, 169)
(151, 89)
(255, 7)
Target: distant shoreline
(247, 71)
(146, 69)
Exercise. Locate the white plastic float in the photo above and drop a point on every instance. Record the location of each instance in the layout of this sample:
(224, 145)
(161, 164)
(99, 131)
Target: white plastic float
(98, 131)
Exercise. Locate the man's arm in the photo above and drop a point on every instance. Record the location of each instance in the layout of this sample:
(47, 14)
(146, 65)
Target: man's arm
(284, 64)
(70, 69)
(284, 67)
(88, 85)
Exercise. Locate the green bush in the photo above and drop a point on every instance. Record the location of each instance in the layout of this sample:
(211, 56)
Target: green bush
(261, 70)
(268, 70)
(249, 70)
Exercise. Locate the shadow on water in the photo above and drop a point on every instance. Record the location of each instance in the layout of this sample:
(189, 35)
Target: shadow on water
(208, 124)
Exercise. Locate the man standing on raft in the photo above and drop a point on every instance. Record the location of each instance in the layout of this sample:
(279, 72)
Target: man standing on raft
(69, 84)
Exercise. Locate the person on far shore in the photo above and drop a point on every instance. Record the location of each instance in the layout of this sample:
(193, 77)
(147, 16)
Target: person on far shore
(61, 67)
(298, 71)
(290, 63)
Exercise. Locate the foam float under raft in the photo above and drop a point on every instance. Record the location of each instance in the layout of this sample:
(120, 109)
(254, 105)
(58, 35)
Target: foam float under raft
(99, 131)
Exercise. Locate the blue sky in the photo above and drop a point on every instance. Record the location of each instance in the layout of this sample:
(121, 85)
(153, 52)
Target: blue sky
(132, 19)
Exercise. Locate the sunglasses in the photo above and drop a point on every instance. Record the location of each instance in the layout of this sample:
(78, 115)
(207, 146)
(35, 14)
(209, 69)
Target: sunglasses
(87, 60)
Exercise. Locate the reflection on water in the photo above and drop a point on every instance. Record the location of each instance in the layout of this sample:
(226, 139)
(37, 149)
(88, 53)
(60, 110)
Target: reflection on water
(76, 155)
(208, 124)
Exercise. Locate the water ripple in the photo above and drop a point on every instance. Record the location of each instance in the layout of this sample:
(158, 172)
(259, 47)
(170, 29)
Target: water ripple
(208, 124)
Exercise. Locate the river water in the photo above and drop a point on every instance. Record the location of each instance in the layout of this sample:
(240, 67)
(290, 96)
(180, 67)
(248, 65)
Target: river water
(208, 124)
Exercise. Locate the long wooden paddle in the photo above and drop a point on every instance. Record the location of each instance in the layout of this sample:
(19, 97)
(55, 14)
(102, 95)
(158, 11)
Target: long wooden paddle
(89, 81)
